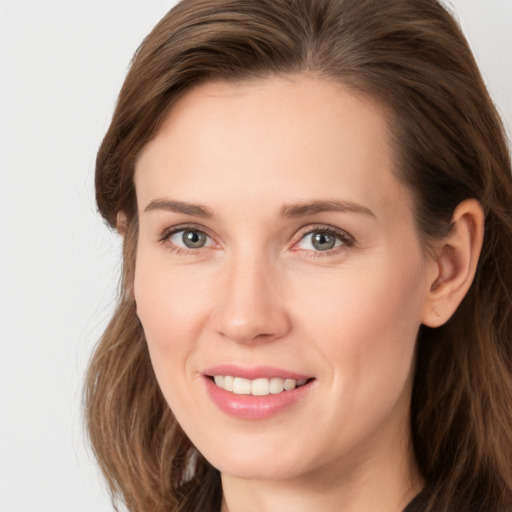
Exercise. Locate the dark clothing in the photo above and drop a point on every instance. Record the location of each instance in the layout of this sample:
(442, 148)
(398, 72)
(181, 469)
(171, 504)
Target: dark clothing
(418, 503)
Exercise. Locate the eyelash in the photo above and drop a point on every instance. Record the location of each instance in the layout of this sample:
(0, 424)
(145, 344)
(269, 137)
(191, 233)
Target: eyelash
(164, 238)
(346, 239)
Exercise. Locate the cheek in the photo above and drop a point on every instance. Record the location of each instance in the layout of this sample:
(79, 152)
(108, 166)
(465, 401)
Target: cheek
(171, 308)
(168, 301)
(365, 324)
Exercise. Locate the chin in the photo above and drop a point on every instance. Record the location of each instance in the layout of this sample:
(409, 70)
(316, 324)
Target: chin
(257, 463)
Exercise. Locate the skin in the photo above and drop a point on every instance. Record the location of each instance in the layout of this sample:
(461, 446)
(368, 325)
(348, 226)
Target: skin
(259, 293)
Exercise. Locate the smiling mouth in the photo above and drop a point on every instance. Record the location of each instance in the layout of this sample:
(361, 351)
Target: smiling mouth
(257, 387)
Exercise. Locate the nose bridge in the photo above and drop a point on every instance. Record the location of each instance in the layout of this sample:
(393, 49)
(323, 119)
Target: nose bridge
(251, 307)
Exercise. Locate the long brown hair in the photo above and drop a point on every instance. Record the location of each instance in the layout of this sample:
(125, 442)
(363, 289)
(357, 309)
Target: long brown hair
(449, 145)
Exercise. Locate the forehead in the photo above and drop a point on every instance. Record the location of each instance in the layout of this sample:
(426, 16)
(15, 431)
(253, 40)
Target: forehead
(296, 135)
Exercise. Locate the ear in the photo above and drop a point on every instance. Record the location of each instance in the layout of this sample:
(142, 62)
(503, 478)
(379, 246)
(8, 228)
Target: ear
(121, 223)
(454, 263)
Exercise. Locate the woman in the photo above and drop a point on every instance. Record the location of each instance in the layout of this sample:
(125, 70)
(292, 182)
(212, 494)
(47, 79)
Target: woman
(315, 314)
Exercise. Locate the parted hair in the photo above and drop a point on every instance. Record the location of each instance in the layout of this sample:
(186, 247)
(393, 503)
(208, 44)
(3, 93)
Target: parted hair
(449, 145)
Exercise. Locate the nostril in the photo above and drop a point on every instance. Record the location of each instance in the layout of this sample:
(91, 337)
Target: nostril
(263, 335)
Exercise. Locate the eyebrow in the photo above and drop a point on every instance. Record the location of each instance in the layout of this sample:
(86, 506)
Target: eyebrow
(179, 207)
(289, 211)
(313, 207)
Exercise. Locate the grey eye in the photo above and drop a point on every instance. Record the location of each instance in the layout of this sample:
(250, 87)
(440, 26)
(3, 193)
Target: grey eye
(193, 239)
(323, 241)
(320, 241)
(190, 239)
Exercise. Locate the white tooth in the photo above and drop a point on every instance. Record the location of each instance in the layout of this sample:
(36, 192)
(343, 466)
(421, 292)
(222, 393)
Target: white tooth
(219, 380)
(301, 382)
(290, 384)
(276, 385)
(260, 387)
(241, 386)
(228, 383)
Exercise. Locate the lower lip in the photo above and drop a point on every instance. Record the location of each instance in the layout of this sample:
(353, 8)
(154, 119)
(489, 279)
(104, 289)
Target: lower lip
(255, 407)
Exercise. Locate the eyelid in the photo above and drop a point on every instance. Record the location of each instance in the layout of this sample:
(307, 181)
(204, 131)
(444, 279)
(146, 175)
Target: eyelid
(347, 239)
(164, 236)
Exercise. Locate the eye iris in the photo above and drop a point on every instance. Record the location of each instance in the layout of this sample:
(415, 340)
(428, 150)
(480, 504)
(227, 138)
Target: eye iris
(193, 239)
(323, 241)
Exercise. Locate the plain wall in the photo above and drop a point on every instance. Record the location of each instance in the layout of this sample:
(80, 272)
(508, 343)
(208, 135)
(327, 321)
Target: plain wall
(62, 63)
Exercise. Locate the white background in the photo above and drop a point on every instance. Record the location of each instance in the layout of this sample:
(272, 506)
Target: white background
(62, 63)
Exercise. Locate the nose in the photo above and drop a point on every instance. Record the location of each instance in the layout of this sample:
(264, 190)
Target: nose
(250, 307)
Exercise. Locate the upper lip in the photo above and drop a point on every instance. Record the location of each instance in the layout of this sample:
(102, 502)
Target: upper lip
(253, 372)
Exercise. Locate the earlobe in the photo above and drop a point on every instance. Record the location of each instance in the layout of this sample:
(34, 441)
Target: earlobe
(121, 223)
(455, 263)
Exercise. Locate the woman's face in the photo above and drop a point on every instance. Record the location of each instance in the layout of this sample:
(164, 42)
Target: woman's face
(278, 249)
